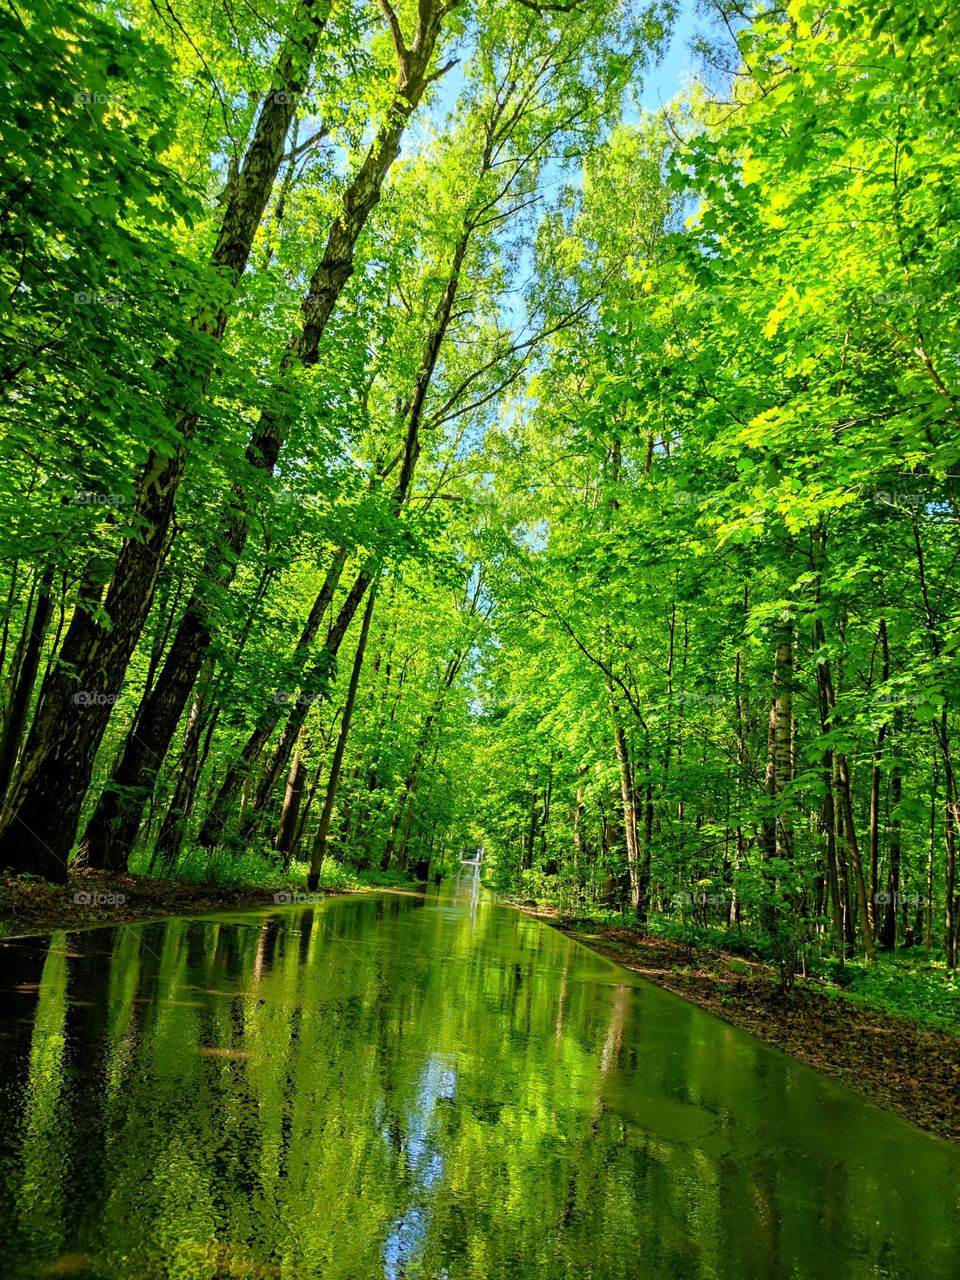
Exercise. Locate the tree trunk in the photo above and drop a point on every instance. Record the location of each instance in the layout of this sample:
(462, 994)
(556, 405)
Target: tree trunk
(628, 800)
(315, 690)
(777, 834)
(8, 610)
(318, 676)
(305, 809)
(740, 710)
(846, 803)
(530, 843)
(888, 927)
(875, 779)
(26, 668)
(578, 840)
(336, 764)
(646, 854)
(290, 814)
(951, 921)
(931, 843)
(412, 775)
(780, 744)
(166, 851)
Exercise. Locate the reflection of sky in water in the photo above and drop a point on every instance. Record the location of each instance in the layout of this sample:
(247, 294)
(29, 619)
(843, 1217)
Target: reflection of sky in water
(424, 1168)
(428, 1088)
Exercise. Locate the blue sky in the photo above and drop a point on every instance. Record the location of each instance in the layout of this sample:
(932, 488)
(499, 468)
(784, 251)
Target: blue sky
(661, 83)
(666, 80)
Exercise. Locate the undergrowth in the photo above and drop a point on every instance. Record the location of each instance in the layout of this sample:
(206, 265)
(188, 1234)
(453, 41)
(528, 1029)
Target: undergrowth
(254, 868)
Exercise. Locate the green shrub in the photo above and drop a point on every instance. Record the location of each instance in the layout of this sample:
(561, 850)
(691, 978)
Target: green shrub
(925, 991)
(259, 867)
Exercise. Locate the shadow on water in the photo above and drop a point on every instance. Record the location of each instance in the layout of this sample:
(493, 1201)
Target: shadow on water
(424, 1085)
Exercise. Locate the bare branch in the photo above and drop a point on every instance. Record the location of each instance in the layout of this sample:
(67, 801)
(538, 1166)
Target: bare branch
(297, 151)
(442, 71)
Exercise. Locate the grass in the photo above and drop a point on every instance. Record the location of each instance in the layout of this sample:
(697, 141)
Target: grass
(256, 869)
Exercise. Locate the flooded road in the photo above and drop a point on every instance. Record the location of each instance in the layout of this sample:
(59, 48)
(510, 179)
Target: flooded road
(424, 1086)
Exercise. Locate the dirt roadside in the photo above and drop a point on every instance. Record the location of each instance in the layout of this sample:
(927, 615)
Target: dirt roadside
(92, 898)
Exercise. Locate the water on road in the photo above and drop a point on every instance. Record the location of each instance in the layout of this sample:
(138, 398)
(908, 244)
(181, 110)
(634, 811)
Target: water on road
(426, 1087)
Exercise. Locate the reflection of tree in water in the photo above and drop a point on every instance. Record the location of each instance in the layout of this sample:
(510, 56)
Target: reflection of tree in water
(423, 1087)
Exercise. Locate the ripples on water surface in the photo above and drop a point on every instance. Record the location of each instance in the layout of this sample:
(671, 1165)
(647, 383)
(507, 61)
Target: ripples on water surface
(398, 1086)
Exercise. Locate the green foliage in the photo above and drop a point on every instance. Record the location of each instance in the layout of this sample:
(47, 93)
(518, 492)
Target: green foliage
(924, 992)
(644, 425)
(253, 868)
(260, 868)
(737, 480)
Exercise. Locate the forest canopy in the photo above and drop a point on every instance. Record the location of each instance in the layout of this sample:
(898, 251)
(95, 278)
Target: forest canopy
(411, 443)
